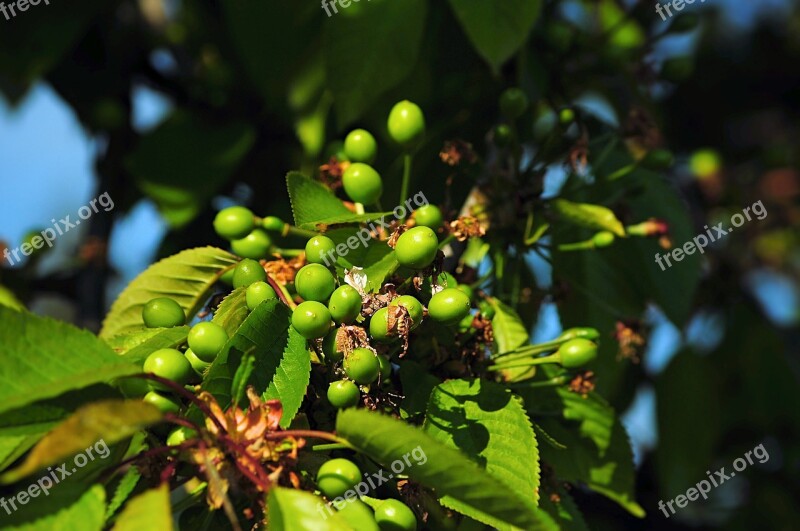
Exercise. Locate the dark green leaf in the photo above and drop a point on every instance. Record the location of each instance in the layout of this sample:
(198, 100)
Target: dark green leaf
(169, 162)
(386, 38)
(497, 29)
(86, 514)
(165, 338)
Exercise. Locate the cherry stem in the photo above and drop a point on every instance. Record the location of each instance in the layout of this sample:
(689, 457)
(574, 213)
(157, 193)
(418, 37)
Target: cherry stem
(296, 231)
(281, 291)
(308, 434)
(553, 358)
(554, 382)
(186, 394)
(407, 160)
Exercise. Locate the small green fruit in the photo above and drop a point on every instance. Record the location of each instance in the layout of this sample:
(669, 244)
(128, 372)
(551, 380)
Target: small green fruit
(343, 394)
(258, 292)
(255, 245)
(577, 353)
(321, 250)
(449, 306)
(362, 366)
(163, 312)
(311, 319)
(395, 515)
(170, 364)
(164, 404)
(206, 339)
(360, 146)
(362, 183)
(234, 222)
(314, 282)
(417, 247)
(248, 271)
(406, 124)
(345, 304)
(337, 476)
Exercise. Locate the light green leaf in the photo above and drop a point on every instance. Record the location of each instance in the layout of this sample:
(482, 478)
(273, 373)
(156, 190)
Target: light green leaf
(185, 277)
(388, 37)
(417, 384)
(165, 338)
(595, 217)
(489, 424)
(282, 361)
(509, 333)
(43, 358)
(7, 298)
(150, 510)
(86, 514)
(122, 343)
(311, 201)
(125, 487)
(297, 510)
(461, 484)
(109, 421)
(186, 149)
(232, 311)
(497, 29)
(346, 219)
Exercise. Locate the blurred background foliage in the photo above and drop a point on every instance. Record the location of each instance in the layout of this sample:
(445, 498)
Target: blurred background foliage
(180, 108)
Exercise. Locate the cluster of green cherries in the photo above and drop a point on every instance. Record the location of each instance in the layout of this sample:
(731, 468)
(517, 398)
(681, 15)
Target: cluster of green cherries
(338, 476)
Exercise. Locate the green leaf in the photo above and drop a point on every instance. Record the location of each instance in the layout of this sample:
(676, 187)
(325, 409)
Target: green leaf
(169, 162)
(122, 343)
(232, 311)
(564, 511)
(311, 201)
(377, 259)
(594, 415)
(386, 40)
(489, 424)
(7, 298)
(86, 514)
(463, 484)
(291, 377)
(282, 361)
(595, 217)
(509, 333)
(185, 277)
(108, 421)
(149, 510)
(124, 489)
(497, 29)
(43, 358)
(297, 510)
(165, 338)
(23, 427)
(609, 473)
(346, 219)
(417, 384)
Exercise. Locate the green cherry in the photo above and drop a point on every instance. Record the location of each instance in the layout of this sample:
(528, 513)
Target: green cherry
(170, 364)
(379, 326)
(513, 103)
(416, 248)
(429, 216)
(255, 245)
(345, 304)
(343, 394)
(234, 222)
(197, 364)
(357, 513)
(163, 312)
(314, 282)
(584, 332)
(576, 353)
(337, 476)
(330, 348)
(414, 307)
(406, 124)
(164, 404)
(448, 306)
(321, 250)
(258, 292)
(206, 339)
(360, 146)
(248, 271)
(603, 239)
(362, 366)
(362, 183)
(395, 515)
(273, 224)
(311, 319)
